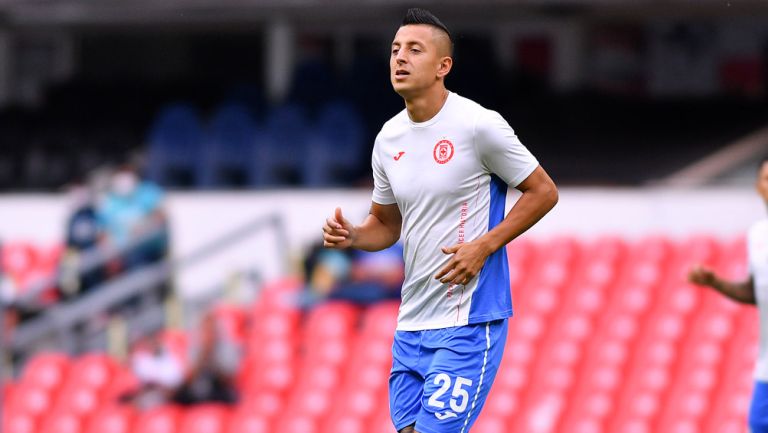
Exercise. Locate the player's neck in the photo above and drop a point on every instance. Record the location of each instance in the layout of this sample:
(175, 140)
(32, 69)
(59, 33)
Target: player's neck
(426, 106)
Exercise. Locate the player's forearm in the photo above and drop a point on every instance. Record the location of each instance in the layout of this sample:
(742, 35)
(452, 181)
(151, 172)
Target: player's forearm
(742, 292)
(527, 211)
(375, 235)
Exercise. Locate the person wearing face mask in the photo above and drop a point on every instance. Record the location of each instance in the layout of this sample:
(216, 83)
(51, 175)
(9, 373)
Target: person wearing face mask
(134, 220)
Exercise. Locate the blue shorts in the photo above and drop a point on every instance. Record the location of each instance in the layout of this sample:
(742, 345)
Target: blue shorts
(441, 377)
(758, 410)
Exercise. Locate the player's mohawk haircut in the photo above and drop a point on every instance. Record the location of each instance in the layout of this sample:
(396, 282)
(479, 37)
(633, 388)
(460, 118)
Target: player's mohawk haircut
(423, 16)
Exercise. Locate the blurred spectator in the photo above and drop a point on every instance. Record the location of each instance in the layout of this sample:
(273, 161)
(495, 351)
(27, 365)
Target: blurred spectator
(83, 233)
(159, 372)
(324, 271)
(133, 219)
(215, 360)
(358, 276)
(374, 276)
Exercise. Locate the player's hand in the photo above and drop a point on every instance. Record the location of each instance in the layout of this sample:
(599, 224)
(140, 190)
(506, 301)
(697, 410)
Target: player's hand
(465, 264)
(701, 276)
(338, 232)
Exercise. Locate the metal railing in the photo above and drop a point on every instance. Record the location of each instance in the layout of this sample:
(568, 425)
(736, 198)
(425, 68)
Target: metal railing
(59, 322)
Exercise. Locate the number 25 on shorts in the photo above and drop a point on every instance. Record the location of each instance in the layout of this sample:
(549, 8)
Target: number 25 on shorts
(459, 396)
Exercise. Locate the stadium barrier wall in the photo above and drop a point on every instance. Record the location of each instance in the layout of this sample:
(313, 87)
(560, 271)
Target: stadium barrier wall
(199, 218)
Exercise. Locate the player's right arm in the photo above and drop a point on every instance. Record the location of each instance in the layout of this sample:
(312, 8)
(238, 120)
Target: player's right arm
(379, 230)
(739, 291)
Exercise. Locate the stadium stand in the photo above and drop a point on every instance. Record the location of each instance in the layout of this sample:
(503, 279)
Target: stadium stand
(608, 337)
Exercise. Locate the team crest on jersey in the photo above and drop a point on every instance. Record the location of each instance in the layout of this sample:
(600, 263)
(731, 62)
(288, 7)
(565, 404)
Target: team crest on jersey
(443, 151)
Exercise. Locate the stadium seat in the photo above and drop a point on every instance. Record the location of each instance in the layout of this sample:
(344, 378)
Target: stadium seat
(335, 147)
(93, 371)
(47, 370)
(299, 423)
(175, 140)
(380, 320)
(277, 376)
(163, 419)
(342, 422)
(245, 421)
(61, 422)
(229, 147)
(282, 149)
(263, 403)
(31, 400)
(205, 419)
(489, 424)
(233, 320)
(112, 419)
(81, 400)
(331, 320)
(14, 422)
(17, 258)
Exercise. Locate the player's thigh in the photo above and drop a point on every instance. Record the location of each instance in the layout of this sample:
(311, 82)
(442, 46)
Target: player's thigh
(758, 410)
(406, 385)
(460, 377)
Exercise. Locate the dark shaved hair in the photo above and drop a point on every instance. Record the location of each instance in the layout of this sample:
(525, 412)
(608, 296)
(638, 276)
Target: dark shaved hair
(423, 16)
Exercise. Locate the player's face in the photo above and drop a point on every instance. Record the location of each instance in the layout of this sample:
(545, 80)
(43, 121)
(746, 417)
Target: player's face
(762, 182)
(416, 60)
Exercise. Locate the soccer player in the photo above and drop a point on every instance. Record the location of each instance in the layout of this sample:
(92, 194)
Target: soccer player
(441, 170)
(752, 291)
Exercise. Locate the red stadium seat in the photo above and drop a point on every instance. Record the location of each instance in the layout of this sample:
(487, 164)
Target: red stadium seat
(296, 424)
(17, 257)
(92, 370)
(114, 419)
(244, 421)
(343, 423)
(331, 320)
(325, 377)
(278, 324)
(357, 403)
(160, 420)
(233, 320)
(310, 402)
(205, 419)
(266, 404)
(46, 370)
(123, 382)
(380, 320)
(275, 376)
(30, 400)
(18, 423)
(58, 422)
(78, 400)
(489, 424)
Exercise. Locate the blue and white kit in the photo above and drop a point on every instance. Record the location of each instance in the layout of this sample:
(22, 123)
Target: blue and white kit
(757, 249)
(449, 178)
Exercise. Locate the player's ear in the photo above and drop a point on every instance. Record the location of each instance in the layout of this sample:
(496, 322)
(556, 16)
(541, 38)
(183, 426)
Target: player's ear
(444, 67)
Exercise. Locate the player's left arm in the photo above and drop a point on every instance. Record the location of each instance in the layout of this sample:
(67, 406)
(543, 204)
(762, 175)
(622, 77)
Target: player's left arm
(539, 197)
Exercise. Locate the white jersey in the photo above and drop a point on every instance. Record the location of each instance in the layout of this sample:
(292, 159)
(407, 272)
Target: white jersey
(757, 244)
(449, 178)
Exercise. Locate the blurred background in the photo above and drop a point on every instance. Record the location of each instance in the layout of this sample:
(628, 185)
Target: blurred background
(165, 168)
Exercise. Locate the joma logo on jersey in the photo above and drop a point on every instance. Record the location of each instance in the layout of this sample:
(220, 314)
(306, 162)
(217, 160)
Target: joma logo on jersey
(443, 151)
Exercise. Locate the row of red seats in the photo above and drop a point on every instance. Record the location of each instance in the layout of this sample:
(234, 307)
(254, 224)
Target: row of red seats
(26, 262)
(608, 338)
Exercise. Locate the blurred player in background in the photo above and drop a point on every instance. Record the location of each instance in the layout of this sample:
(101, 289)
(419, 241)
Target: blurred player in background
(441, 171)
(752, 291)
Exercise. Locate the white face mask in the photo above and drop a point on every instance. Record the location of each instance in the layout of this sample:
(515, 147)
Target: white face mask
(124, 183)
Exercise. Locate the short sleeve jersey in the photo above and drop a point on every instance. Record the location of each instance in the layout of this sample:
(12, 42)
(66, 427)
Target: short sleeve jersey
(449, 177)
(757, 244)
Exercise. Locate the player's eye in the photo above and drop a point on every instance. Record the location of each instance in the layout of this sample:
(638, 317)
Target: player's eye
(394, 51)
(415, 50)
